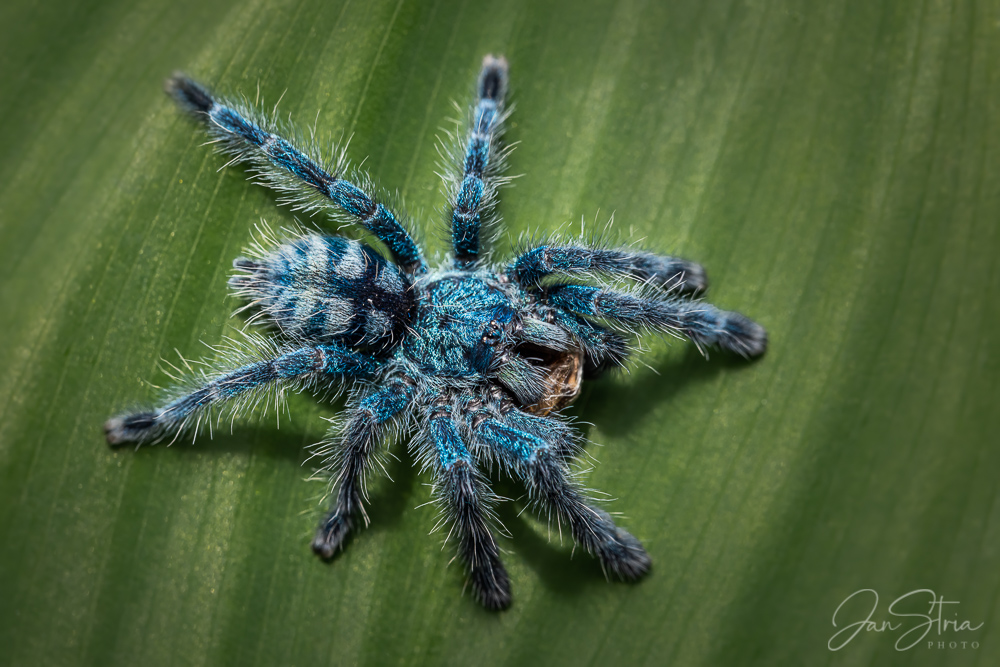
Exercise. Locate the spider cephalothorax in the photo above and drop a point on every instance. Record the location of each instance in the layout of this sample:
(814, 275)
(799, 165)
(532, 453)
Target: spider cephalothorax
(473, 360)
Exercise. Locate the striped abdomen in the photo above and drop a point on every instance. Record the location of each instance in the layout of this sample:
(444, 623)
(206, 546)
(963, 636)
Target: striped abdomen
(325, 288)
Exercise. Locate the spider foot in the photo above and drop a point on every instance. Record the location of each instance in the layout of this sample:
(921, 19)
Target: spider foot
(129, 428)
(330, 536)
(742, 335)
(692, 279)
(624, 556)
(491, 586)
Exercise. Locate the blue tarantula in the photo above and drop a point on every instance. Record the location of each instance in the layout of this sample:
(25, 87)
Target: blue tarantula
(475, 360)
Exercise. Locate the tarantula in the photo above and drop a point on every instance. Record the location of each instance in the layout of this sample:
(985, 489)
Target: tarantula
(474, 360)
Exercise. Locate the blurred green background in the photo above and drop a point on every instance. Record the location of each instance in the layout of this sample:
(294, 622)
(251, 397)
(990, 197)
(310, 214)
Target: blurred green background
(836, 167)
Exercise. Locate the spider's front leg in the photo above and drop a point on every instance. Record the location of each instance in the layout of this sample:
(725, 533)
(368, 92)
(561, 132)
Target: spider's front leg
(351, 457)
(671, 273)
(702, 322)
(326, 362)
(537, 448)
(465, 498)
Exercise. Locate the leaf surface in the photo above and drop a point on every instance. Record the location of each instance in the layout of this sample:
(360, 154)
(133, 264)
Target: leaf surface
(834, 165)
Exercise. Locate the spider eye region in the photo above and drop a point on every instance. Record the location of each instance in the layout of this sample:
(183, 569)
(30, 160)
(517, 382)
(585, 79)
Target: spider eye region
(464, 321)
(493, 333)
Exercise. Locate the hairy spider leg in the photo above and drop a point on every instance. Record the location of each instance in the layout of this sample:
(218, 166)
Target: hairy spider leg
(249, 142)
(476, 190)
(702, 322)
(603, 349)
(661, 271)
(464, 496)
(322, 362)
(560, 438)
(351, 457)
(536, 452)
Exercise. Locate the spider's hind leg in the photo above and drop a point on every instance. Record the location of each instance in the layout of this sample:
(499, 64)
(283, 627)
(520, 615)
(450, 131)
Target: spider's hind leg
(249, 137)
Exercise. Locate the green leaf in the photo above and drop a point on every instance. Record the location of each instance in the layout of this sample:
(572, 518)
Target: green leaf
(834, 165)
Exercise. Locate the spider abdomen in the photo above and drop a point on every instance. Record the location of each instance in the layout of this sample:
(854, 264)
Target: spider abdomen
(325, 288)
